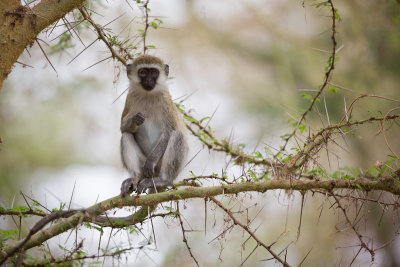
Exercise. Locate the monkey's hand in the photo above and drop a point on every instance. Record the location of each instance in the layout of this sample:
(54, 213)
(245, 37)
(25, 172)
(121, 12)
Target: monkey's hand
(148, 169)
(128, 186)
(138, 119)
(130, 124)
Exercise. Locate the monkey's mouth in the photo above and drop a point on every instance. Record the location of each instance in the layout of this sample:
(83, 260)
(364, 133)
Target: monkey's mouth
(148, 85)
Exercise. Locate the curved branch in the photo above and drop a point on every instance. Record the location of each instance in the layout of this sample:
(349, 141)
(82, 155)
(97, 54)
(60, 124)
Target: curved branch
(22, 213)
(121, 222)
(213, 143)
(20, 25)
(386, 184)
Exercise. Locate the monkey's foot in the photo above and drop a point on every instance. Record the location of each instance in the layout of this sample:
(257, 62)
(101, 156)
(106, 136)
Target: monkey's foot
(151, 183)
(128, 186)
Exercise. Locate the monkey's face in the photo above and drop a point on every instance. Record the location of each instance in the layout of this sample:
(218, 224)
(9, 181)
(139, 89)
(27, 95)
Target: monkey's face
(148, 77)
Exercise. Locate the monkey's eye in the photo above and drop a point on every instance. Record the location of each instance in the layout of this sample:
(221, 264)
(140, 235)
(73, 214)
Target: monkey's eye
(154, 73)
(142, 72)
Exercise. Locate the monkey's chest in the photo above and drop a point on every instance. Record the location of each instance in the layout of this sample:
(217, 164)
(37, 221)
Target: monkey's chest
(147, 136)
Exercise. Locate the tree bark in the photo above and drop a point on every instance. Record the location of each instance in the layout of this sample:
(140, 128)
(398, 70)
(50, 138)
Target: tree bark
(20, 25)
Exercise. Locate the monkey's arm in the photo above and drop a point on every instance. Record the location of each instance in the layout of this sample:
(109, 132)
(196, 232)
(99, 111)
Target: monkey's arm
(130, 124)
(154, 157)
(171, 163)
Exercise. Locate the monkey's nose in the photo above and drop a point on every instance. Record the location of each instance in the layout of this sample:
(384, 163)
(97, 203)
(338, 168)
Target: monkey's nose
(148, 84)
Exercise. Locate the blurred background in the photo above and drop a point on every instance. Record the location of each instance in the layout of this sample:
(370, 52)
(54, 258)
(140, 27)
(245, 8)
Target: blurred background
(246, 64)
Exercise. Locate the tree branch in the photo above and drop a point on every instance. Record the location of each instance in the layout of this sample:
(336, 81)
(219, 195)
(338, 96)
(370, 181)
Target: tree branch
(101, 36)
(20, 25)
(328, 75)
(386, 184)
(251, 233)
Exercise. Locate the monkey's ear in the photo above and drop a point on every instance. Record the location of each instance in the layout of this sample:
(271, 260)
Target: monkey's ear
(166, 69)
(128, 69)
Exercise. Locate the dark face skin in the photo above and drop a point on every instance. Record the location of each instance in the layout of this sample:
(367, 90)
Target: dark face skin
(148, 77)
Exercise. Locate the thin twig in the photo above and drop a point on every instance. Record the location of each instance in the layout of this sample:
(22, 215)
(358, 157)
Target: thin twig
(222, 146)
(45, 55)
(146, 25)
(246, 228)
(327, 78)
(183, 234)
(383, 130)
(36, 228)
(101, 35)
(352, 225)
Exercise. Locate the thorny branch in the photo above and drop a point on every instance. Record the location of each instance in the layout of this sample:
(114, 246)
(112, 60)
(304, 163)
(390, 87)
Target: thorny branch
(387, 184)
(251, 233)
(101, 35)
(36, 228)
(383, 131)
(71, 259)
(350, 109)
(395, 204)
(353, 227)
(328, 75)
(212, 143)
(146, 25)
(314, 143)
(184, 235)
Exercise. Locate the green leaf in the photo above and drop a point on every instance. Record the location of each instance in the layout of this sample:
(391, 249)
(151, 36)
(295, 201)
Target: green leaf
(302, 128)
(333, 89)
(358, 186)
(10, 233)
(203, 119)
(321, 4)
(20, 209)
(257, 155)
(285, 136)
(306, 96)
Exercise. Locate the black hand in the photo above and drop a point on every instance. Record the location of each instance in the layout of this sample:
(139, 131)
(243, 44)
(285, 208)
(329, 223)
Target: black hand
(138, 119)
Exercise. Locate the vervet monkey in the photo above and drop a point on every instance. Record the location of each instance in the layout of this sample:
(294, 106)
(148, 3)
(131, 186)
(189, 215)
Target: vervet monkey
(154, 136)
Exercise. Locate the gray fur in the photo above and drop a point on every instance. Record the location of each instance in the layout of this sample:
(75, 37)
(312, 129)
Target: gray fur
(154, 144)
(171, 163)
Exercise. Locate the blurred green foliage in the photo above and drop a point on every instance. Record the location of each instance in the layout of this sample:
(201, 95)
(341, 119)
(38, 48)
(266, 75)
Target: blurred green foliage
(40, 128)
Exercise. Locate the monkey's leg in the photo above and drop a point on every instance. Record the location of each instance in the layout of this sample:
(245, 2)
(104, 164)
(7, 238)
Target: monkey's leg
(171, 164)
(133, 160)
